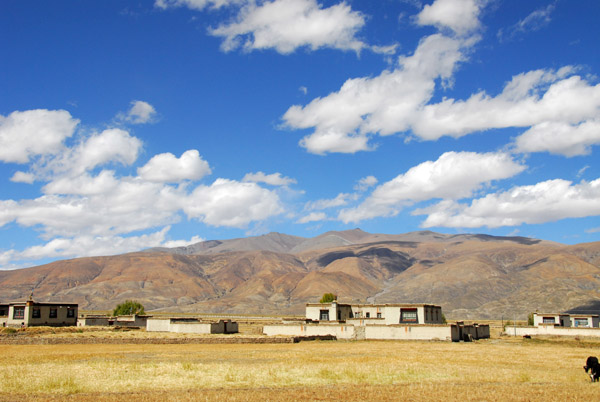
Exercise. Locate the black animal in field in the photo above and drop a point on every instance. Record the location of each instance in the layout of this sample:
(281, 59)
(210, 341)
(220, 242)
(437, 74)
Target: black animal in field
(593, 367)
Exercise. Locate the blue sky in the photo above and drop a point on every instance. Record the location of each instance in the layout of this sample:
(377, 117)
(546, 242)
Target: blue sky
(126, 125)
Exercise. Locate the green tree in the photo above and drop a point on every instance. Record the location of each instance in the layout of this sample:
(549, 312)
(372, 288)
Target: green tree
(129, 307)
(328, 298)
(530, 319)
(444, 321)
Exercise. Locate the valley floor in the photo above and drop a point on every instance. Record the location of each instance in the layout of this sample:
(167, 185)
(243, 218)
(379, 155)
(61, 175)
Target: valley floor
(500, 369)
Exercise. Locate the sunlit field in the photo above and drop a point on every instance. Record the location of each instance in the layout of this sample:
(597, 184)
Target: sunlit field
(494, 370)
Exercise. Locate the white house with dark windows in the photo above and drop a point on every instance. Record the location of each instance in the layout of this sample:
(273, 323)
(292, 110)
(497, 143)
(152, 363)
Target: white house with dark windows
(377, 321)
(566, 320)
(373, 314)
(31, 313)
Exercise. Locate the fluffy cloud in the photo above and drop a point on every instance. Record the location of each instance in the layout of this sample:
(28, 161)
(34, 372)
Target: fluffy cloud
(397, 101)
(90, 246)
(231, 203)
(140, 113)
(168, 168)
(454, 175)
(365, 183)
(313, 217)
(22, 177)
(560, 138)
(274, 179)
(528, 99)
(85, 209)
(182, 243)
(84, 184)
(461, 16)
(385, 104)
(34, 132)
(285, 25)
(340, 200)
(547, 201)
(112, 145)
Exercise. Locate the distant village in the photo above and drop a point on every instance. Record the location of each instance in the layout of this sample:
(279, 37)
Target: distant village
(327, 319)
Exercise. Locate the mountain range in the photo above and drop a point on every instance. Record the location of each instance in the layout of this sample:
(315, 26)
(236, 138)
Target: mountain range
(472, 276)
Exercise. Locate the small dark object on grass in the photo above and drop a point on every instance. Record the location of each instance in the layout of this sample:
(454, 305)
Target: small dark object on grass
(526, 336)
(591, 365)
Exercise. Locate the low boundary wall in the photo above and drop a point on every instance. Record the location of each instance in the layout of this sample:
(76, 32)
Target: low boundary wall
(191, 326)
(339, 331)
(551, 330)
(414, 332)
(453, 332)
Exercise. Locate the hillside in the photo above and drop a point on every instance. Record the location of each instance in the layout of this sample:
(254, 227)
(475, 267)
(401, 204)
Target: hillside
(471, 276)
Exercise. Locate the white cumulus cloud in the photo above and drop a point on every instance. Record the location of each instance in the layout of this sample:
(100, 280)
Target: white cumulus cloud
(140, 113)
(313, 217)
(231, 203)
(34, 132)
(274, 179)
(386, 104)
(546, 201)
(285, 25)
(454, 175)
(560, 138)
(461, 16)
(167, 167)
(182, 243)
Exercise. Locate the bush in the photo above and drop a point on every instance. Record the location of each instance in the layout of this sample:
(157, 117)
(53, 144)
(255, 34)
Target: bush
(530, 319)
(130, 307)
(328, 298)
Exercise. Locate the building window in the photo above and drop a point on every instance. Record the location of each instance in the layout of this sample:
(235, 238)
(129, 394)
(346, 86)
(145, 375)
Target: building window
(368, 315)
(378, 315)
(324, 315)
(581, 322)
(53, 313)
(70, 313)
(36, 313)
(548, 320)
(409, 316)
(18, 313)
(3, 312)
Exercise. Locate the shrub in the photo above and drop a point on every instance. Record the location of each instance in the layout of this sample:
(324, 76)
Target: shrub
(530, 319)
(328, 298)
(129, 307)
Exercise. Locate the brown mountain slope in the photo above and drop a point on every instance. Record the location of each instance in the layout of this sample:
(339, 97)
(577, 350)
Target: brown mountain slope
(471, 276)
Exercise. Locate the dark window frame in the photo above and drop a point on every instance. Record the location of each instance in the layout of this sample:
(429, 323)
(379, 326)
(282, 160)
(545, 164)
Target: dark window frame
(70, 312)
(18, 312)
(53, 313)
(406, 316)
(36, 312)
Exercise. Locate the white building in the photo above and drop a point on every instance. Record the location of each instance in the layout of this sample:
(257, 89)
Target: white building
(566, 320)
(377, 321)
(372, 314)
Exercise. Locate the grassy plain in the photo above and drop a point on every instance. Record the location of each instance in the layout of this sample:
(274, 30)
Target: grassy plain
(502, 369)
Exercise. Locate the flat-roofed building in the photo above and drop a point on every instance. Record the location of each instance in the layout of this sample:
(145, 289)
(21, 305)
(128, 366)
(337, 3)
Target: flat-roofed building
(31, 313)
(382, 314)
(556, 319)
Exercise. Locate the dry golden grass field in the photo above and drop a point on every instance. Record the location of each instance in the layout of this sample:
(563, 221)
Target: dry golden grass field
(500, 369)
